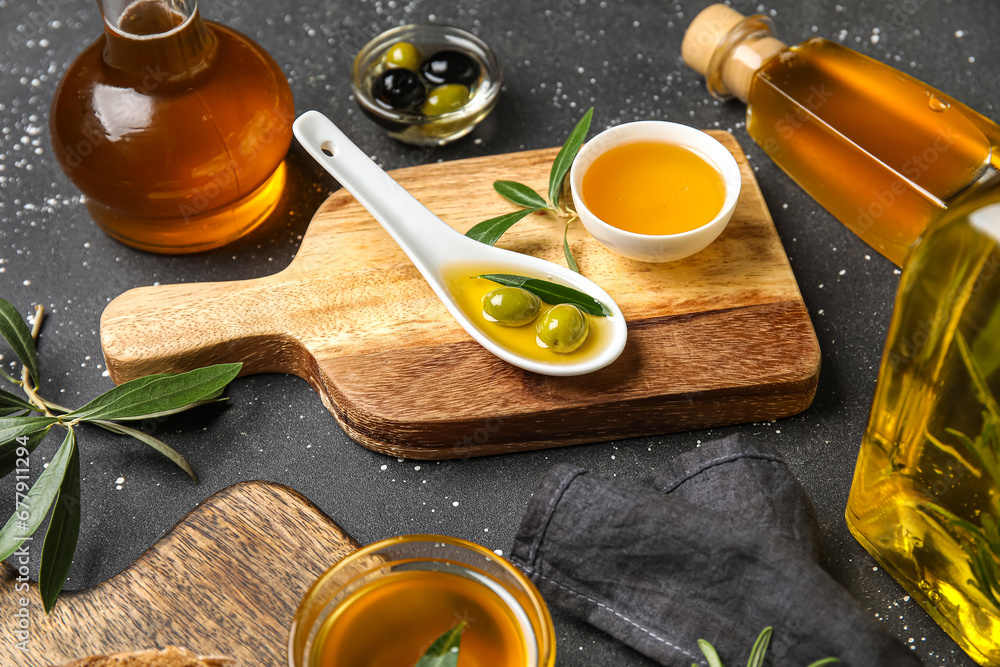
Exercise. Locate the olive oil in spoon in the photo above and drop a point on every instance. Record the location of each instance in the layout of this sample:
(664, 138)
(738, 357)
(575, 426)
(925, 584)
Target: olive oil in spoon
(445, 257)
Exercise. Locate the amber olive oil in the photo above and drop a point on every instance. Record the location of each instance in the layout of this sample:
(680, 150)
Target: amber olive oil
(174, 128)
(468, 292)
(925, 499)
(885, 153)
(392, 621)
(651, 187)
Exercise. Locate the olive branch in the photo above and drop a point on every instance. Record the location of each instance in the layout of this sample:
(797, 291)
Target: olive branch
(490, 231)
(25, 423)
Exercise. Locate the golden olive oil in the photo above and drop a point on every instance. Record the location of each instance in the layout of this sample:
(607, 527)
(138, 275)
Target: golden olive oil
(924, 500)
(393, 620)
(651, 187)
(174, 128)
(468, 292)
(885, 153)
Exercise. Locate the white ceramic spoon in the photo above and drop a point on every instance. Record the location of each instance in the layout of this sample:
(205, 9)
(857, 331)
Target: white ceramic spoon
(432, 245)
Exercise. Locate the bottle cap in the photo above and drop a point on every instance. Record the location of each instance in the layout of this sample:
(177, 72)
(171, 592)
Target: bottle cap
(705, 33)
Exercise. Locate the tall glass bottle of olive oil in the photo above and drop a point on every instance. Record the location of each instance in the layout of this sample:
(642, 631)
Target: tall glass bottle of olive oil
(883, 152)
(925, 500)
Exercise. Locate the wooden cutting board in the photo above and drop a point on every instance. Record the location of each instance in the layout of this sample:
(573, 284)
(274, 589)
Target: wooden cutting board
(721, 337)
(226, 580)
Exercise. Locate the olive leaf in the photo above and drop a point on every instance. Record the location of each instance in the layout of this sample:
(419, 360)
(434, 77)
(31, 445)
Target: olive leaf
(757, 653)
(444, 651)
(570, 260)
(564, 160)
(63, 532)
(551, 293)
(12, 428)
(9, 456)
(31, 510)
(155, 443)
(155, 395)
(58, 486)
(9, 404)
(18, 336)
(520, 194)
(490, 231)
(710, 654)
(759, 649)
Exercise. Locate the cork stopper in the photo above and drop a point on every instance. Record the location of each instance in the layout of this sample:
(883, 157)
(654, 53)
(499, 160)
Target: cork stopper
(705, 33)
(728, 49)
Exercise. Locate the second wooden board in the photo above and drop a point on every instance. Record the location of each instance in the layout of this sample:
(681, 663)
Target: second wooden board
(721, 337)
(226, 580)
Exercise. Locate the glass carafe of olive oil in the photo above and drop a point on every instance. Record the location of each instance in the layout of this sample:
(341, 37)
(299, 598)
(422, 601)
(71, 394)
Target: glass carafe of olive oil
(174, 128)
(881, 151)
(924, 500)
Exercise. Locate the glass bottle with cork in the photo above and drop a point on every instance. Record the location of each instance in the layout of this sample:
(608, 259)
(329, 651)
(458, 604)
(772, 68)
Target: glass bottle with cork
(883, 152)
(174, 128)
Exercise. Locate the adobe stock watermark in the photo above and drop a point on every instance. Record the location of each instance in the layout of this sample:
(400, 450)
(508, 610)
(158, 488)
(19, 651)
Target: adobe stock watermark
(417, 155)
(94, 135)
(905, 10)
(915, 167)
(908, 347)
(273, 125)
(787, 125)
(464, 447)
(560, 17)
(355, 40)
(35, 22)
(706, 39)
(21, 618)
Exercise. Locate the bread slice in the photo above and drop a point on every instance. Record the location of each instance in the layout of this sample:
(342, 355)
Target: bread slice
(171, 656)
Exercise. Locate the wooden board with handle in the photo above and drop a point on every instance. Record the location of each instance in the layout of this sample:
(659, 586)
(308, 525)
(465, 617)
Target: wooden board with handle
(226, 580)
(721, 337)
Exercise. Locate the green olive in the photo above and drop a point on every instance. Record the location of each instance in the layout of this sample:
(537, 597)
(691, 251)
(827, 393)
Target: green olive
(402, 54)
(511, 306)
(442, 99)
(562, 328)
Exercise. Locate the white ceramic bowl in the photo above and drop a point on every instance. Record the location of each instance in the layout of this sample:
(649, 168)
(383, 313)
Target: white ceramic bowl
(657, 247)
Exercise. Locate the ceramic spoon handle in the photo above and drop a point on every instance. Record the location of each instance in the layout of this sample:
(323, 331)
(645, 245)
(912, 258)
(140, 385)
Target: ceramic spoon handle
(421, 234)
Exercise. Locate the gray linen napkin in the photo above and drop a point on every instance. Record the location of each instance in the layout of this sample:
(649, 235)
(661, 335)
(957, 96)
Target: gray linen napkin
(722, 545)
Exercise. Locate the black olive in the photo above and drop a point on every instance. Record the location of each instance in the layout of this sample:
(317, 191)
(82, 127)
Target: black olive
(398, 89)
(450, 66)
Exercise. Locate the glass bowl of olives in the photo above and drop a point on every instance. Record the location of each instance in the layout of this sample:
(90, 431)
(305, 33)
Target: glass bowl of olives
(426, 84)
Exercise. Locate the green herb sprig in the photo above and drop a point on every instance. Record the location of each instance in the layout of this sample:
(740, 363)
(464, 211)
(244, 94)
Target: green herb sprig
(490, 231)
(981, 543)
(24, 424)
(757, 652)
(444, 651)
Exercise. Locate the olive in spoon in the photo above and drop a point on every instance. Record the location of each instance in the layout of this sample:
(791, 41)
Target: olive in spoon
(433, 246)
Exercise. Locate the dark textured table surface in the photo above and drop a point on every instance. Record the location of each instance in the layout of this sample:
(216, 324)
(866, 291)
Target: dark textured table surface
(560, 56)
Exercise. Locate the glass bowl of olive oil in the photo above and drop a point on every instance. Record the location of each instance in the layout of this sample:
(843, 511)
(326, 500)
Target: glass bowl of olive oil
(387, 603)
(426, 84)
